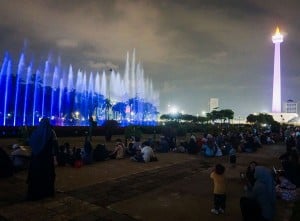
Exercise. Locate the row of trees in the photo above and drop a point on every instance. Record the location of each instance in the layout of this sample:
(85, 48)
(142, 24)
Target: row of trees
(215, 115)
(218, 116)
(260, 118)
(136, 105)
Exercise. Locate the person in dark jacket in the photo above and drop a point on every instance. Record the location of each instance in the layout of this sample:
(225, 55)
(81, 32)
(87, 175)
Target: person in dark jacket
(260, 201)
(41, 173)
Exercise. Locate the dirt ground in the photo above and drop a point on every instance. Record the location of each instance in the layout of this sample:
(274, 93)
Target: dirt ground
(176, 187)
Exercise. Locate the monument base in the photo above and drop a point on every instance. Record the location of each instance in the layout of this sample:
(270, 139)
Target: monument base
(283, 117)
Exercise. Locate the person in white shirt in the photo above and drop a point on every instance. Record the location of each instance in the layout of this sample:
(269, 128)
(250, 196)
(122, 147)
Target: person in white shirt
(147, 153)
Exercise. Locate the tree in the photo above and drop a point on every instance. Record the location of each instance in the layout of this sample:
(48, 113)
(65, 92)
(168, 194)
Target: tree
(188, 117)
(201, 119)
(251, 118)
(120, 108)
(165, 117)
(227, 114)
(107, 107)
(215, 115)
(209, 117)
(260, 119)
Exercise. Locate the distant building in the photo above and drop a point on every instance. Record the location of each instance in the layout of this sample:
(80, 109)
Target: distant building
(213, 104)
(290, 107)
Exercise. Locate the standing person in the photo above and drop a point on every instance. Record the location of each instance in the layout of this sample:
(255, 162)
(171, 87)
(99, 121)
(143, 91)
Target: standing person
(259, 204)
(92, 124)
(87, 152)
(250, 180)
(218, 178)
(232, 156)
(41, 173)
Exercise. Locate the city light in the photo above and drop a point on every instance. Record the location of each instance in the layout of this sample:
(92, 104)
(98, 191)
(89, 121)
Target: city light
(173, 110)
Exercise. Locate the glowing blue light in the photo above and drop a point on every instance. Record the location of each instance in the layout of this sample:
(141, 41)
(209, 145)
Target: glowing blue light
(68, 97)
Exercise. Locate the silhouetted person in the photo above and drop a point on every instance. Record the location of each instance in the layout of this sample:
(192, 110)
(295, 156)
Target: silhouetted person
(41, 173)
(92, 124)
(100, 153)
(87, 152)
(6, 166)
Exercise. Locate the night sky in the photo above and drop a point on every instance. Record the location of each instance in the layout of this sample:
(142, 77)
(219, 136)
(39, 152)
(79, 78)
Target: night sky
(193, 50)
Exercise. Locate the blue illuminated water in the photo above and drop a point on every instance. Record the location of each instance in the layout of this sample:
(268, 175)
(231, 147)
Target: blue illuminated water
(32, 91)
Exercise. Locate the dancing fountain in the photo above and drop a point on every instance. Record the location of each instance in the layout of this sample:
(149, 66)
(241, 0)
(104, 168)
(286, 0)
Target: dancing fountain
(71, 98)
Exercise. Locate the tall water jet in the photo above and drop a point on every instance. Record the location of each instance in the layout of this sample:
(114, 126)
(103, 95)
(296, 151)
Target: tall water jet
(21, 66)
(28, 76)
(3, 87)
(8, 88)
(133, 78)
(54, 93)
(48, 89)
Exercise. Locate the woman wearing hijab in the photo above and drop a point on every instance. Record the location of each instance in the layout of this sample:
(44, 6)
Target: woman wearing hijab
(41, 173)
(260, 202)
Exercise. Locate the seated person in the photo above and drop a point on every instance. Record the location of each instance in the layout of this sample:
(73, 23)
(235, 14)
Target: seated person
(163, 145)
(218, 152)
(257, 142)
(100, 153)
(180, 148)
(249, 145)
(250, 180)
(148, 154)
(20, 157)
(269, 140)
(70, 154)
(62, 156)
(291, 167)
(131, 148)
(232, 156)
(285, 189)
(78, 162)
(226, 147)
(192, 147)
(119, 151)
(207, 150)
(145, 155)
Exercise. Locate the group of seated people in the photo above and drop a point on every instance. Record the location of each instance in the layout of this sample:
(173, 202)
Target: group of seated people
(224, 143)
(264, 185)
(214, 145)
(76, 157)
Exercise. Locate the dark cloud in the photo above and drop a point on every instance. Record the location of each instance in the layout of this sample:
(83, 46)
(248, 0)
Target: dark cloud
(192, 50)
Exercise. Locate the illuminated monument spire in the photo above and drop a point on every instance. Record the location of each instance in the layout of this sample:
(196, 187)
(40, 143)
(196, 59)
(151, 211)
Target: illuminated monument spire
(277, 38)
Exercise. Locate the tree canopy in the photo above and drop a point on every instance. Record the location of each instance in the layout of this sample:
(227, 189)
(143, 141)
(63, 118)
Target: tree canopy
(260, 118)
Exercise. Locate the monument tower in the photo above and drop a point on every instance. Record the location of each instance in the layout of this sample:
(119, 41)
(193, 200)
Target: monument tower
(277, 38)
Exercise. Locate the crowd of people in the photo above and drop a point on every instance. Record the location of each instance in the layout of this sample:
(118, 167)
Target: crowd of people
(261, 185)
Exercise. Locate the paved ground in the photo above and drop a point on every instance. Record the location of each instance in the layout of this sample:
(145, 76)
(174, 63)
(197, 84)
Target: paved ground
(177, 187)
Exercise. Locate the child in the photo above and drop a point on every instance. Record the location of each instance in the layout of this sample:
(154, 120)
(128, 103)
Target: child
(219, 189)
